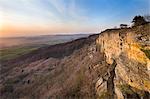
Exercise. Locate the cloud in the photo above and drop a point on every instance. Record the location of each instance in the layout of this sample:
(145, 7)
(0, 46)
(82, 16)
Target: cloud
(52, 11)
(60, 5)
(76, 11)
(26, 12)
(69, 9)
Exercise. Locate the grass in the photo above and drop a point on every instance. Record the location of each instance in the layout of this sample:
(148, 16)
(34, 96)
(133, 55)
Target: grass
(13, 52)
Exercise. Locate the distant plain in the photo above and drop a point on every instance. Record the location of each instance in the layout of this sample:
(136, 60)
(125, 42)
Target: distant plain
(12, 47)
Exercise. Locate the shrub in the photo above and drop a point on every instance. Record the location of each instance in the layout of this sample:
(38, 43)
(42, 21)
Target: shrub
(138, 20)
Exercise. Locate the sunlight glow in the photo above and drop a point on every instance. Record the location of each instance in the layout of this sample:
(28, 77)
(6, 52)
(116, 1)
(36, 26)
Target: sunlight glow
(18, 17)
(1, 20)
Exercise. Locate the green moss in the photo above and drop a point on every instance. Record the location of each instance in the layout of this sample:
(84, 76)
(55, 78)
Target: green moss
(126, 89)
(147, 52)
(105, 95)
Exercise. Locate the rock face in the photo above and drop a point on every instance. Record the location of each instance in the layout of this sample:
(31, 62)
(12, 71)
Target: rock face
(128, 52)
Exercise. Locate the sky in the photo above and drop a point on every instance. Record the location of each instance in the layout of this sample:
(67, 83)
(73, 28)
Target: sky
(49, 17)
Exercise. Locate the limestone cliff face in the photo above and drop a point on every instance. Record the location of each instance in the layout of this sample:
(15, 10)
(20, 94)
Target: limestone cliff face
(130, 49)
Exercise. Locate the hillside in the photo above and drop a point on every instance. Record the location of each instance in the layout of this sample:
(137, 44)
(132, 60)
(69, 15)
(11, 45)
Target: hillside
(114, 64)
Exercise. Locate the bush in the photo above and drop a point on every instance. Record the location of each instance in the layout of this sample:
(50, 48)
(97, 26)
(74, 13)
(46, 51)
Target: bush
(138, 20)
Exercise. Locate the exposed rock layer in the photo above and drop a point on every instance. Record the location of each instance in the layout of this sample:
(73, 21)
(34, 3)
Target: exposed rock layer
(130, 49)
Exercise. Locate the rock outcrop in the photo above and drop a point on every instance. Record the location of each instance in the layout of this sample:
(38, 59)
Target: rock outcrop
(127, 51)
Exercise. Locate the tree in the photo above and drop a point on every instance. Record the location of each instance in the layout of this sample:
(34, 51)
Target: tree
(138, 20)
(123, 26)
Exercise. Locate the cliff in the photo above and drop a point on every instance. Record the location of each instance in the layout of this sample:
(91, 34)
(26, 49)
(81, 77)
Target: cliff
(114, 64)
(128, 53)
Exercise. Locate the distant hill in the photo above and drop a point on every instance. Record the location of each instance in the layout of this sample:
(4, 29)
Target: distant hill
(38, 40)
